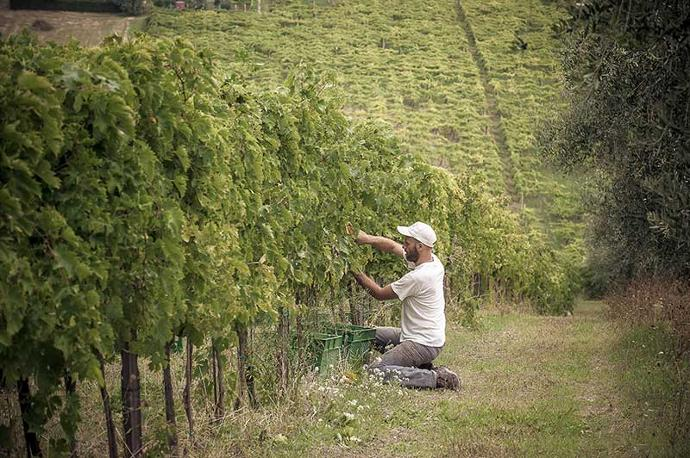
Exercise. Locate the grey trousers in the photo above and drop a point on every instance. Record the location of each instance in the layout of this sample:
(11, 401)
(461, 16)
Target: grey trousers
(402, 362)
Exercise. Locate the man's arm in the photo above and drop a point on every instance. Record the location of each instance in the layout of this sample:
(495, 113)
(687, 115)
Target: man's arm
(380, 293)
(383, 244)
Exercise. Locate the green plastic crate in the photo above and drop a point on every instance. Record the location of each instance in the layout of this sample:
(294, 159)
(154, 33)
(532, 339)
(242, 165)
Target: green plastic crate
(357, 340)
(327, 350)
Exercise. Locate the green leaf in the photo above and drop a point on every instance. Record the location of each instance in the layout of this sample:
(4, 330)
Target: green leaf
(32, 82)
(43, 170)
(65, 259)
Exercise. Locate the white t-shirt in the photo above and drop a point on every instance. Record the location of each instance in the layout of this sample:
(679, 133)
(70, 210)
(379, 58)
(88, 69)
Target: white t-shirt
(423, 304)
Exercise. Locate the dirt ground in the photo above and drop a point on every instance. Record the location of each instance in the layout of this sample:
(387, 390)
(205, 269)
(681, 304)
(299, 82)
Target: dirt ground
(61, 26)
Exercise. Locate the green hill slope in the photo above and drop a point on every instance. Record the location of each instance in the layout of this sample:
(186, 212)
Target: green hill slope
(521, 55)
(405, 63)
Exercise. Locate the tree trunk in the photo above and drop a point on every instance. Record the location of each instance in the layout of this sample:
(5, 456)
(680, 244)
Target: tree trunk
(169, 404)
(108, 411)
(11, 420)
(283, 333)
(33, 447)
(70, 392)
(131, 403)
(218, 384)
(187, 393)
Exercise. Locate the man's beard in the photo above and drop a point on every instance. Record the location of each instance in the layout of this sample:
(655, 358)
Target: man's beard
(412, 256)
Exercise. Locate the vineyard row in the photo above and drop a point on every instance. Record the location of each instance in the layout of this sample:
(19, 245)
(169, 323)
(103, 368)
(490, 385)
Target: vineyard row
(147, 196)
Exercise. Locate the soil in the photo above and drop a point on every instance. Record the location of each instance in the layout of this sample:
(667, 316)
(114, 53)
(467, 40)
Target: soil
(62, 26)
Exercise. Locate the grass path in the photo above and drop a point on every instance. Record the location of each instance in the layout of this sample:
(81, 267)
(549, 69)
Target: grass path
(532, 386)
(535, 385)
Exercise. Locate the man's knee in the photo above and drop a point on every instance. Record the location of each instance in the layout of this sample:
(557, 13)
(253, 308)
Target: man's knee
(385, 337)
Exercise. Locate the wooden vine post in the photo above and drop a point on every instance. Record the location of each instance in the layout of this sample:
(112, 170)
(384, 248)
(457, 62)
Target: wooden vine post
(169, 403)
(218, 383)
(246, 393)
(108, 413)
(9, 404)
(241, 387)
(356, 309)
(131, 403)
(283, 363)
(70, 394)
(187, 392)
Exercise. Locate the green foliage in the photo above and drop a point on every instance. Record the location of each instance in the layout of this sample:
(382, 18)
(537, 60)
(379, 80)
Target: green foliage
(134, 7)
(627, 127)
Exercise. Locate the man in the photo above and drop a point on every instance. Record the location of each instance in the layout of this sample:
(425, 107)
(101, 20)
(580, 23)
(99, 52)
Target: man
(422, 334)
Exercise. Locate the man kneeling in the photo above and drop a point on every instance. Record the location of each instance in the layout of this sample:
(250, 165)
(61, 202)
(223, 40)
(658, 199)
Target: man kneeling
(422, 333)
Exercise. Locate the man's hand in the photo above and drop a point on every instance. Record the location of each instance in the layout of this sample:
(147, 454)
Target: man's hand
(360, 278)
(377, 292)
(382, 244)
(360, 237)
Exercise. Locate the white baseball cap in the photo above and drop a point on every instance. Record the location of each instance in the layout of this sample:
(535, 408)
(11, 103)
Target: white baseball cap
(420, 231)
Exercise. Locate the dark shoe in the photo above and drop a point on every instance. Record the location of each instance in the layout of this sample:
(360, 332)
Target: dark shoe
(447, 379)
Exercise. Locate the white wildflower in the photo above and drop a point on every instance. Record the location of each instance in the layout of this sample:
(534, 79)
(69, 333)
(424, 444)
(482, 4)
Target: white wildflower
(280, 438)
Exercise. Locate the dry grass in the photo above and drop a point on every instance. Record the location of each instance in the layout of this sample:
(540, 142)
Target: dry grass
(530, 382)
(657, 313)
(656, 301)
